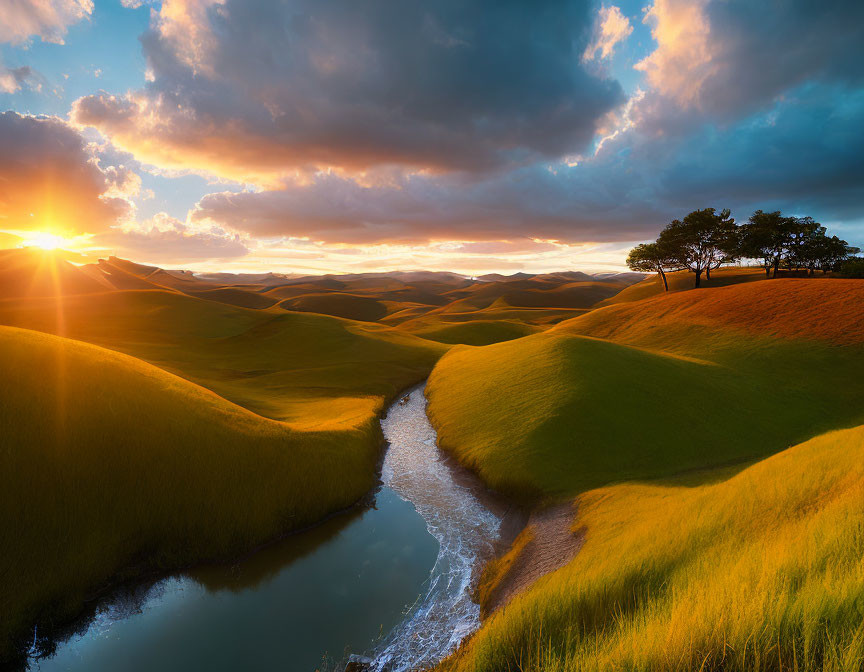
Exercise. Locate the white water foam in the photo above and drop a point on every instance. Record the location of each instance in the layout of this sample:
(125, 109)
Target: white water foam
(466, 530)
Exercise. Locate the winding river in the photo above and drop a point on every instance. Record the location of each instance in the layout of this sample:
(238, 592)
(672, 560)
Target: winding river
(388, 585)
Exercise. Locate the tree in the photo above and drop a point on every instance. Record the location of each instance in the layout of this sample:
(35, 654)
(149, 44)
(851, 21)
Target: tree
(794, 242)
(822, 252)
(765, 236)
(805, 241)
(701, 242)
(651, 258)
(852, 267)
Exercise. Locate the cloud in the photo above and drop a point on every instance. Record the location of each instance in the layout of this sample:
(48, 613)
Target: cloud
(627, 192)
(519, 246)
(725, 59)
(164, 239)
(122, 182)
(14, 79)
(803, 155)
(612, 27)
(256, 91)
(49, 180)
(573, 205)
(485, 123)
(684, 57)
(47, 19)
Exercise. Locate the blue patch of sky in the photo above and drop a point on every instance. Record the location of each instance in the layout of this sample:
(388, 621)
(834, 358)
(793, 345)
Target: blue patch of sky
(630, 51)
(175, 195)
(101, 52)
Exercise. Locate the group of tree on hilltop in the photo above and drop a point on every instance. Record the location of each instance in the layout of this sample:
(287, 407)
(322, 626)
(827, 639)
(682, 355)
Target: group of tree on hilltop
(706, 239)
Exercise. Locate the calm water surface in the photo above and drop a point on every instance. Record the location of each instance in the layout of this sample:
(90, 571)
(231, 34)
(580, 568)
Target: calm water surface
(390, 584)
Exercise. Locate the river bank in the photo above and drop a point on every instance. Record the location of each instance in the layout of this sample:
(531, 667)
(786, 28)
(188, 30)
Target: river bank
(391, 584)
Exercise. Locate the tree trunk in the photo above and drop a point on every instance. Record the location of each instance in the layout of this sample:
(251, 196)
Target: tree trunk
(776, 266)
(698, 277)
(768, 271)
(708, 272)
(665, 284)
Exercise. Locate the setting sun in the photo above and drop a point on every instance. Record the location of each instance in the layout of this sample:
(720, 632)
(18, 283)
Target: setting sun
(45, 241)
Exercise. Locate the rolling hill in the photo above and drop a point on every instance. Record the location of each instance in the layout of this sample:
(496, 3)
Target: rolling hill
(647, 389)
(339, 304)
(664, 426)
(756, 570)
(117, 463)
(111, 463)
(432, 305)
(35, 273)
(681, 281)
(284, 365)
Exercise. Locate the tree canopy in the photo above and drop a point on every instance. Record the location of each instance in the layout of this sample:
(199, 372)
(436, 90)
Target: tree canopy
(652, 258)
(701, 242)
(706, 239)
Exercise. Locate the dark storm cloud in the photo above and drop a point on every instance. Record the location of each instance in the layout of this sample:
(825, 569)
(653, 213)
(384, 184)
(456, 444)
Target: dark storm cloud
(253, 87)
(764, 48)
(721, 60)
(803, 155)
(746, 104)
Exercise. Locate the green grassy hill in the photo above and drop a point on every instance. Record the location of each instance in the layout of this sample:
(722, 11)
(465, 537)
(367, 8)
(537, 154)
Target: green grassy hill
(338, 304)
(643, 390)
(284, 365)
(34, 273)
(154, 470)
(234, 297)
(471, 332)
(111, 463)
(760, 571)
(708, 543)
(683, 280)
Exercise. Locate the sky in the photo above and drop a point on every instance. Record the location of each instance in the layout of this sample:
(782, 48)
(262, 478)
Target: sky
(474, 136)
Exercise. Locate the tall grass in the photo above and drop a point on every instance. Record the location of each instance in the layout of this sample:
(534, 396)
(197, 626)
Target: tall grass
(111, 466)
(763, 571)
(683, 281)
(297, 367)
(756, 567)
(649, 389)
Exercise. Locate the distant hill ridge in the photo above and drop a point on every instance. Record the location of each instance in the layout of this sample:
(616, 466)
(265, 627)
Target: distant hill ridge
(425, 303)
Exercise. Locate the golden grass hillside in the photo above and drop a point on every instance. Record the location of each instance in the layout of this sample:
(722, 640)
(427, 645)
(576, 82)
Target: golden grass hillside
(28, 273)
(110, 463)
(470, 332)
(503, 309)
(761, 571)
(300, 367)
(338, 304)
(479, 327)
(649, 389)
(819, 310)
(310, 386)
(684, 280)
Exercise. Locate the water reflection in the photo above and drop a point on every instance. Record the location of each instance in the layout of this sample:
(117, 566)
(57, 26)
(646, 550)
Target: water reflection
(298, 605)
(357, 583)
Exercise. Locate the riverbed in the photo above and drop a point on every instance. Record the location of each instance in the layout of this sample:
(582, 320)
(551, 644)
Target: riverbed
(389, 584)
